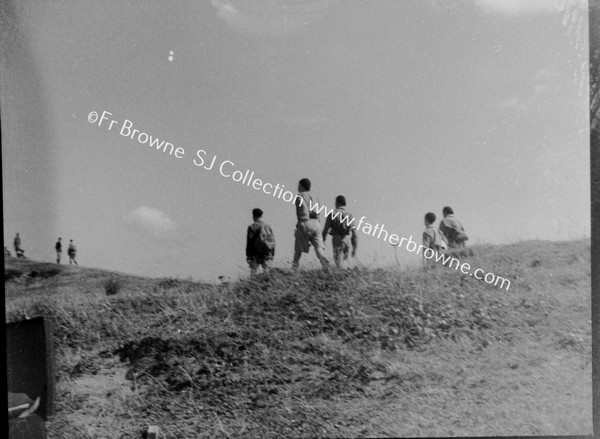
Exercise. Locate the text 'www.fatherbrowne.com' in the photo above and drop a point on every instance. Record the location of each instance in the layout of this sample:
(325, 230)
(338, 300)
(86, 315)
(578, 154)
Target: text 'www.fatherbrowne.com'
(379, 232)
(227, 169)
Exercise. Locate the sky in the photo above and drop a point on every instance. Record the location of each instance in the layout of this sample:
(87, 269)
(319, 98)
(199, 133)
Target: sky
(403, 107)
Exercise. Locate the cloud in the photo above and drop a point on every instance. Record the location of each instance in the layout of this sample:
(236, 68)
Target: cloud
(519, 7)
(148, 219)
(271, 18)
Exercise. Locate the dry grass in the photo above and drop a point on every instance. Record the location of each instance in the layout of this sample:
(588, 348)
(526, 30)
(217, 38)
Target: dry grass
(354, 353)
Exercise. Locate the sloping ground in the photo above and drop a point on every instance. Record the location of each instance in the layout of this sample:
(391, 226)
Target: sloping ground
(357, 353)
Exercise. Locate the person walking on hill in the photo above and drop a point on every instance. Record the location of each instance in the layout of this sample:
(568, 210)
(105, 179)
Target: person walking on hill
(433, 239)
(452, 229)
(19, 252)
(308, 227)
(260, 243)
(58, 248)
(72, 252)
(339, 224)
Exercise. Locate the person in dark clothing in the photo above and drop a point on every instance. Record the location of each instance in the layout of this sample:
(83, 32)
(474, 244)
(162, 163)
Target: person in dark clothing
(19, 252)
(58, 248)
(452, 229)
(260, 243)
(343, 233)
(72, 252)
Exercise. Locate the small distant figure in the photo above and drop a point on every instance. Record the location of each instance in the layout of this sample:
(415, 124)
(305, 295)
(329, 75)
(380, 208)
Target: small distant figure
(19, 252)
(72, 252)
(453, 230)
(17, 243)
(260, 243)
(58, 248)
(6, 251)
(308, 227)
(339, 224)
(432, 239)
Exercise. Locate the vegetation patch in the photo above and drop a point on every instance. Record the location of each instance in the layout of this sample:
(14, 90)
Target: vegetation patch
(12, 273)
(313, 354)
(112, 286)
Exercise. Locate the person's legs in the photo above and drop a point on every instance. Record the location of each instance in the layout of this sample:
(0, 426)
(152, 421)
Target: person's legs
(301, 244)
(316, 240)
(339, 248)
(253, 265)
(296, 260)
(298, 250)
(430, 260)
(266, 264)
(345, 249)
(337, 256)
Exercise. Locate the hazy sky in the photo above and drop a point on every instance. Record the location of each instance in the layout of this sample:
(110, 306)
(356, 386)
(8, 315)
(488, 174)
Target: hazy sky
(402, 106)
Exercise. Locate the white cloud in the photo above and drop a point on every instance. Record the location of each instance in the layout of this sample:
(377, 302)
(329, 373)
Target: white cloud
(148, 219)
(517, 7)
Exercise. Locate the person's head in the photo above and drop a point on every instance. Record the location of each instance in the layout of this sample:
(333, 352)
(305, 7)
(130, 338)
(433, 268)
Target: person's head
(429, 218)
(257, 213)
(340, 201)
(59, 239)
(304, 185)
(447, 211)
(71, 240)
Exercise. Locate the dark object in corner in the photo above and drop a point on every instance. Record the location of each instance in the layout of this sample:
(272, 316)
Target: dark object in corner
(30, 374)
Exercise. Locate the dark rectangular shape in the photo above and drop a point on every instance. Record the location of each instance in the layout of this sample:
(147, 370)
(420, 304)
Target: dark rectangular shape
(31, 427)
(30, 362)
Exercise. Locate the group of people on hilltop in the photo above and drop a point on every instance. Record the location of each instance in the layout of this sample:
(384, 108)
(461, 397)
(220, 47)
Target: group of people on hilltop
(71, 251)
(20, 252)
(449, 237)
(260, 239)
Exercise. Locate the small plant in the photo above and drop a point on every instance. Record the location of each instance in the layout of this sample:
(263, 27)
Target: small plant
(112, 286)
(169, 282)
(43, 273)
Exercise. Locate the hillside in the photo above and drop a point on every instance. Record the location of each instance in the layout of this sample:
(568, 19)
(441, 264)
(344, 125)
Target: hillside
(423, 352)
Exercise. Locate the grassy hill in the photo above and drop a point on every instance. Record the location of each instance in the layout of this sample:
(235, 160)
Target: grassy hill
(423, 352)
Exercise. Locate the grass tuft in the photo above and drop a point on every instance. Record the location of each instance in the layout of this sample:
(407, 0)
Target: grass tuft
(112, 286)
